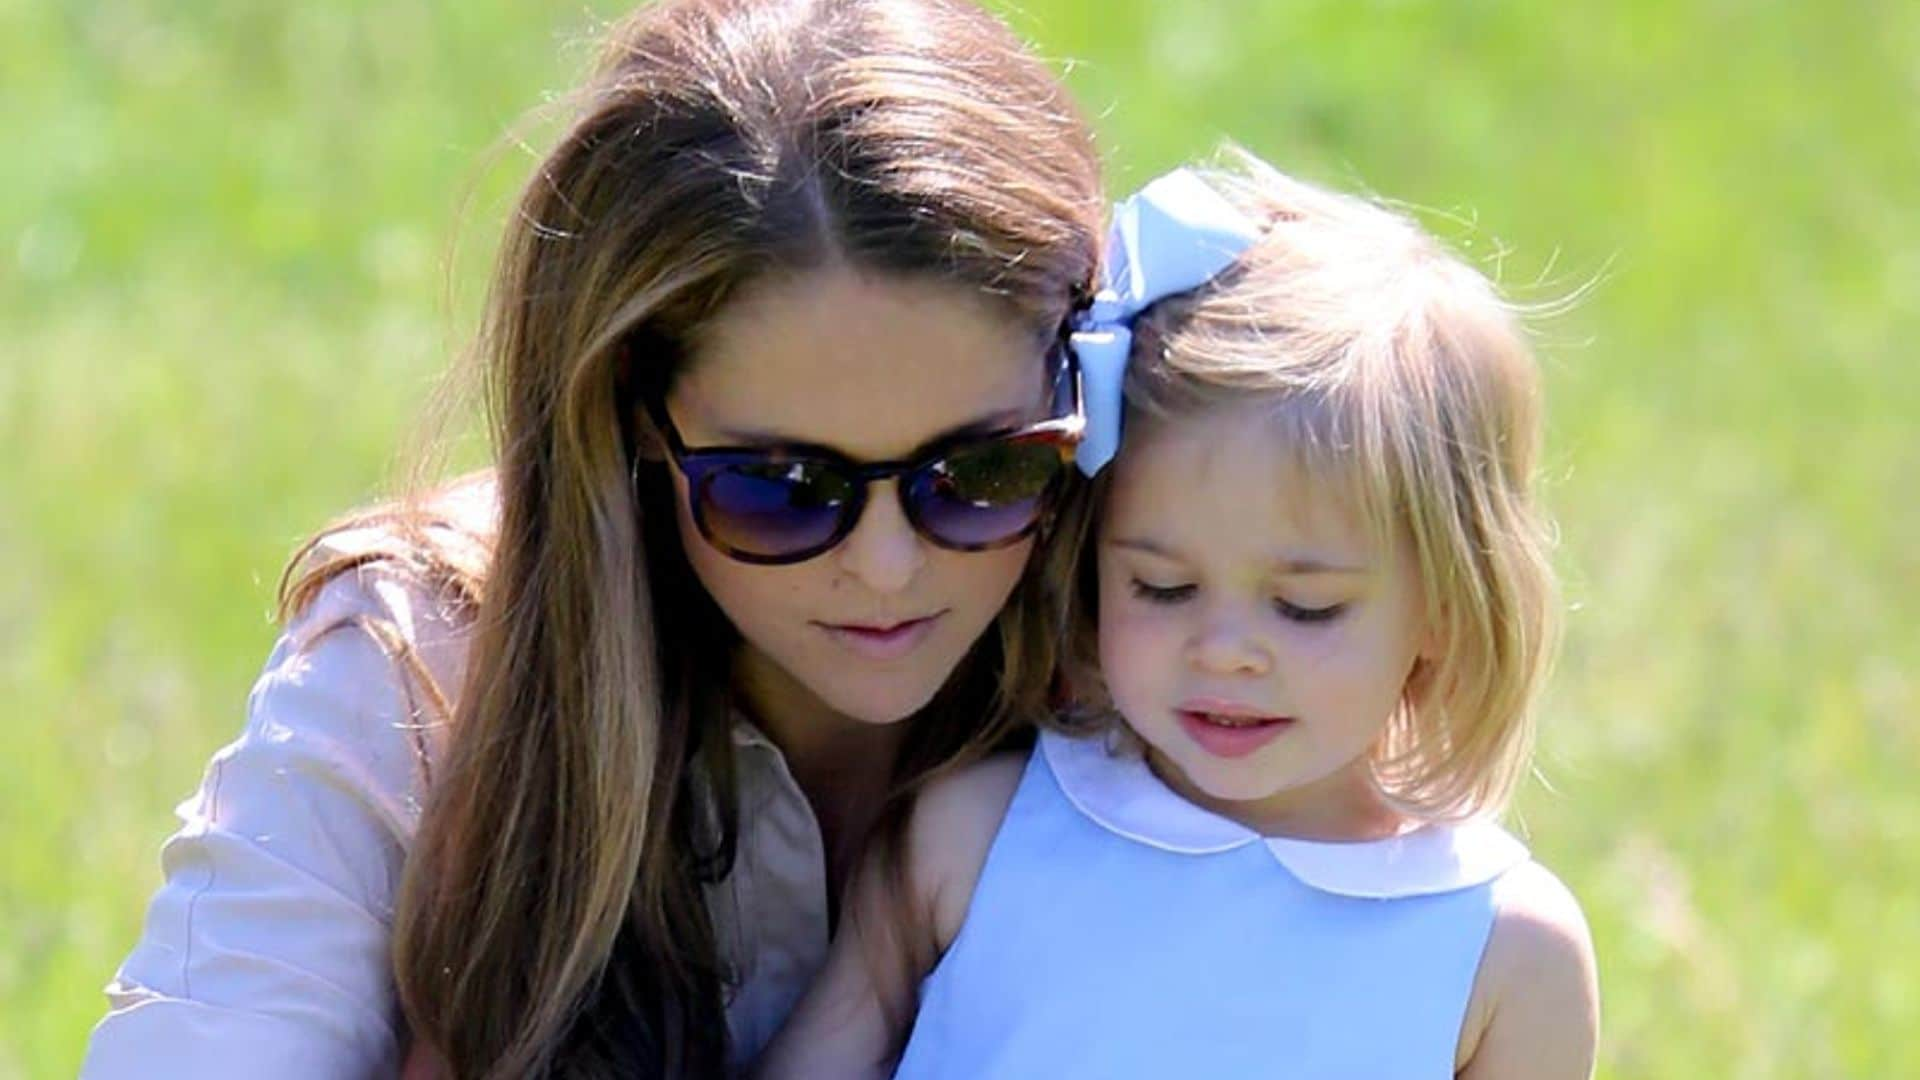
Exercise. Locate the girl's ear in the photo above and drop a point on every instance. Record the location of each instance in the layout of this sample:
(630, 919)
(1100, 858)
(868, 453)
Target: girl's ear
(1419, 684)
(1430, 646)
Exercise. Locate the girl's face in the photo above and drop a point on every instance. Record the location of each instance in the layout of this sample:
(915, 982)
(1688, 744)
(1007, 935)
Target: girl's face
(1250, 631)
(875, 367)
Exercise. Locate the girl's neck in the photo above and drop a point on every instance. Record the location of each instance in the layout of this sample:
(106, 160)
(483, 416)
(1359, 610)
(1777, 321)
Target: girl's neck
(1343, 807)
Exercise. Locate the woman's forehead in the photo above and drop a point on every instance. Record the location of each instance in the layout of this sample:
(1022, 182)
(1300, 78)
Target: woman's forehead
(872, 364)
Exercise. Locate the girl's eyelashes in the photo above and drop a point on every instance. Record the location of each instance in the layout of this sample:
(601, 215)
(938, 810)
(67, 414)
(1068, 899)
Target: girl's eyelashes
(1161, 594)
(1308, 614)
(1174, 594)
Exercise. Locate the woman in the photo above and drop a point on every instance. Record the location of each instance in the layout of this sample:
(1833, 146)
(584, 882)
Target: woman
(780, 413)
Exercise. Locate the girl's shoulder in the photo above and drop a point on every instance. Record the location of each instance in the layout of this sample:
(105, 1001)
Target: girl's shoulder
(1539, 931)
(1535, 1003)
(1531, 902)
(954, 823)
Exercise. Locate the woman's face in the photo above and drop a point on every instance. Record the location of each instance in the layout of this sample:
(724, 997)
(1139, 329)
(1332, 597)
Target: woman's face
(875, 366)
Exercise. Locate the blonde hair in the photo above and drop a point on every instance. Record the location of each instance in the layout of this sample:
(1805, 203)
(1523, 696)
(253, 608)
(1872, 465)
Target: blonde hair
(552, 917)
(1396, 372)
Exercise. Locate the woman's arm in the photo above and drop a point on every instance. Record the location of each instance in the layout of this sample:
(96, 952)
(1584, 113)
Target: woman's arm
(1536, 1001)
(266, 952)
(855, 1019)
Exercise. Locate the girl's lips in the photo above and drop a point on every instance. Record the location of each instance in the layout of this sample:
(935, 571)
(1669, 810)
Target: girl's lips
(1231, 732)
(882, 642)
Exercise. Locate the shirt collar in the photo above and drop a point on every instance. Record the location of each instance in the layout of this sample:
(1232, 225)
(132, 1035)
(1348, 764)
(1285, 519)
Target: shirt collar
(1117, 791)
(747, 733)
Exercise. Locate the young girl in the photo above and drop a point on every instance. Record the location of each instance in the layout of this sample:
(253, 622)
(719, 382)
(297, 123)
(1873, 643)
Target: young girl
(1322, 606)
(560, 772)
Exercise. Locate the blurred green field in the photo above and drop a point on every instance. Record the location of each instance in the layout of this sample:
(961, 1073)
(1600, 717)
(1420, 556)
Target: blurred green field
(238, 241)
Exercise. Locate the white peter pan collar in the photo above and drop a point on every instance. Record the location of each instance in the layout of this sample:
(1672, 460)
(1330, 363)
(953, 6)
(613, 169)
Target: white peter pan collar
(1116, 790)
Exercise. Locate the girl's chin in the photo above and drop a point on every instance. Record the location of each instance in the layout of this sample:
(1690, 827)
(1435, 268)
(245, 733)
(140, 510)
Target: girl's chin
(1217, 780)
(1231, 789)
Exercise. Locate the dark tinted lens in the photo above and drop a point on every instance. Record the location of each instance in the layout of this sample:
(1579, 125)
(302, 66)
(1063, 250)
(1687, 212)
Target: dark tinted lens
(773, 509)
(986, 493)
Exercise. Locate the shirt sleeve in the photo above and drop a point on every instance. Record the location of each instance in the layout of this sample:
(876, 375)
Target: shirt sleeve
(266, 952)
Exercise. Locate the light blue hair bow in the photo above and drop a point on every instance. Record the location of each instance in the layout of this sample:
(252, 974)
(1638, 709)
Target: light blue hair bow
(1169, 237)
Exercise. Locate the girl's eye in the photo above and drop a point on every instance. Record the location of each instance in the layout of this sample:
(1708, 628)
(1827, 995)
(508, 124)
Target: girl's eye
(1309, 614)
(1161, 594)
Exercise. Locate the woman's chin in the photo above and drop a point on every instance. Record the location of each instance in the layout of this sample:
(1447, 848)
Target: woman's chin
(882, 693)
(878, 706)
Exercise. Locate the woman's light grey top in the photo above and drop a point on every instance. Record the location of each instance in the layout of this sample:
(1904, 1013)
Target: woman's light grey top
(267, 951)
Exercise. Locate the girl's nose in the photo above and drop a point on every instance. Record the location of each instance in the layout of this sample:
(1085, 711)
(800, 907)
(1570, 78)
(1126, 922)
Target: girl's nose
(883, 551)
(1230, 645)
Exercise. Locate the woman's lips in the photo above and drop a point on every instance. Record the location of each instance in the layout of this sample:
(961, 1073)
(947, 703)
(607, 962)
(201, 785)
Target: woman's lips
(1229, 731)
(889, 641)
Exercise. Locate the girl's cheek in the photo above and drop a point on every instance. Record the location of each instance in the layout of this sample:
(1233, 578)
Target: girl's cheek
(1126, 663)
(1133, 640)
(1117, 632)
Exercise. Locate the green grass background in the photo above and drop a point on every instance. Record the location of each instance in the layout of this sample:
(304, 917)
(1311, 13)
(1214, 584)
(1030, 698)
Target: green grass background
(239, 239)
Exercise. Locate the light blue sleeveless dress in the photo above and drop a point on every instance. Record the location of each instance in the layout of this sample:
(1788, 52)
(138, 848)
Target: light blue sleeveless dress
(1119, 931)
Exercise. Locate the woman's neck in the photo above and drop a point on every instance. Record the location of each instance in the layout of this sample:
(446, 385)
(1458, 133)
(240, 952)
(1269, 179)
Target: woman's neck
(843, 766)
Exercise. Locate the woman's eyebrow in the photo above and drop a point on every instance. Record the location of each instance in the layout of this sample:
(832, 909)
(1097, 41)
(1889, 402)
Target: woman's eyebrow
(998, 420)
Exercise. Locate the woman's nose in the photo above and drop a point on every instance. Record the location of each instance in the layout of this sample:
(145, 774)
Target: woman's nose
(883, 551)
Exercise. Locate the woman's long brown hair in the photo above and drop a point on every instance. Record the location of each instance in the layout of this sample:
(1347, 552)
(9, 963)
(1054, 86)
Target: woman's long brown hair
(551, 920)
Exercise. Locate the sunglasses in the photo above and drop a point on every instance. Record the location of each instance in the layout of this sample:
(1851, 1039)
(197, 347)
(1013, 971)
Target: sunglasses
(774, 505)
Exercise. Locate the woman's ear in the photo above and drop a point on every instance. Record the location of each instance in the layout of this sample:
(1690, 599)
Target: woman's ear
(648, 444)
(634, 385)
